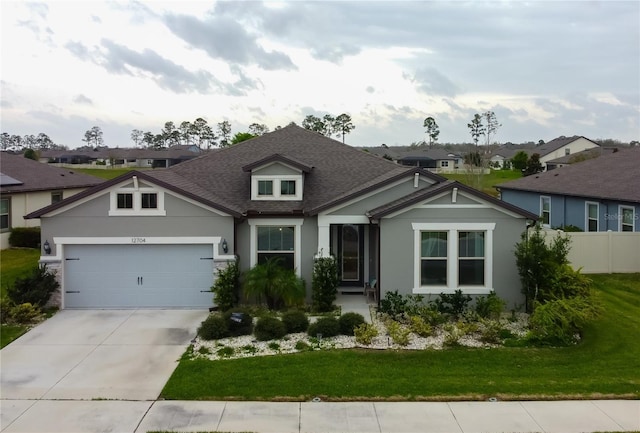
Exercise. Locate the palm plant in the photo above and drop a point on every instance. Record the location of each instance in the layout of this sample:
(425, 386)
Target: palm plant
(277, 285)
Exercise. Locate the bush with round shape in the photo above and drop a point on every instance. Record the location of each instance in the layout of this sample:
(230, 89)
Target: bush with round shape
(327, 326)
(34, 289)
(295, 321)
(213, 327)
(239, 322)
(269, 328)
(24, 313)
(349, 321)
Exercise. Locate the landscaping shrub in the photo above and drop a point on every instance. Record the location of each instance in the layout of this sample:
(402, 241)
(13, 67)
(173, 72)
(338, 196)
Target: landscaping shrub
(393, 304)
(420, 327)
(567, 283)
(226, 286)
(213, 327)
(538, 262)
(491, 332)
(398, 333)
(561, 321)
(365, 333)
(239, 322)
(25, 237)
(295, 321)
(349, 321)
(490, 306)
(24, 313)
(269, 328)
(35, 289)
(454, 304)
(327, 326)
(324, 283)
(5, 309)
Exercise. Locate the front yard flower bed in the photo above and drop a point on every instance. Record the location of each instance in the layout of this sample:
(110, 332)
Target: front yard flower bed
(468, 334)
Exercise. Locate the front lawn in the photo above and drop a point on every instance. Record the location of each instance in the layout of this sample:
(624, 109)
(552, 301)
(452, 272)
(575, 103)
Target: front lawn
(485, 182)
(605, 364)
(14, 263)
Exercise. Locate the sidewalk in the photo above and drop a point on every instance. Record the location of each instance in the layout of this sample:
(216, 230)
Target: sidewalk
(309, 417)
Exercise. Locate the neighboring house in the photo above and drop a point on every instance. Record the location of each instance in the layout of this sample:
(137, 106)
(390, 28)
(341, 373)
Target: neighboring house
(438, 160)
(580, 156)
(142, 158)
(556, 148)
(595, 195)
(26, 185)
(154, 238)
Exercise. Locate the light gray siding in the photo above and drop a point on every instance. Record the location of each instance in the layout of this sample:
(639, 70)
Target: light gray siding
(397, 261)
(380, 198)
(91, 219)
(276, 169)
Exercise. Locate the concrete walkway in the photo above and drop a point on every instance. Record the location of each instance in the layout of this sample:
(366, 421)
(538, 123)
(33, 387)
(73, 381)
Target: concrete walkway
(415, 417)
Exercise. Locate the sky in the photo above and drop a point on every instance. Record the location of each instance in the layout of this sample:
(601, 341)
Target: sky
(545, 68)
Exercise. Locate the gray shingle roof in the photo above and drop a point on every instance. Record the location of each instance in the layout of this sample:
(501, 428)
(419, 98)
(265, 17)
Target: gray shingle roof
(615, 176)
(338, 170)
(36, 176)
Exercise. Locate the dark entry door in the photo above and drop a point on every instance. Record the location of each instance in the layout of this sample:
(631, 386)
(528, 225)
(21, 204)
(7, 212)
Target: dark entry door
(351, 254)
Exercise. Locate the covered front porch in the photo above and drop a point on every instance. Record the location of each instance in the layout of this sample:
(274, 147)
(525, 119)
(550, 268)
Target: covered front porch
(355, 245)
(356, 303)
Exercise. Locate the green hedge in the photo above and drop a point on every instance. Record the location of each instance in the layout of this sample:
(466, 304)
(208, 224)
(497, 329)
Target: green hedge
(25, 237)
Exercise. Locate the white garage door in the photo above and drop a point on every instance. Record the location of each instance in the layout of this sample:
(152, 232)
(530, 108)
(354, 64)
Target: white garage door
(129, 276)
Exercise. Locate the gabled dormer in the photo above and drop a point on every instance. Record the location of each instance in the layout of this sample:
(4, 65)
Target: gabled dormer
(278, 178)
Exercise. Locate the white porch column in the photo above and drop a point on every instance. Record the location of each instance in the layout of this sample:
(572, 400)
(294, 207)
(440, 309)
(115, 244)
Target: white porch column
(324, 235)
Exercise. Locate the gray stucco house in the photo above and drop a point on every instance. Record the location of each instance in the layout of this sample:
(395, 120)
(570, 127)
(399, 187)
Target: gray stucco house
(596, 195)
(154, 239)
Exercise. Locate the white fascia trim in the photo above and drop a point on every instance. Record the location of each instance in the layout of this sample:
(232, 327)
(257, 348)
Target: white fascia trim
(376, 191)
(481, 204)
(214, 241)
(275, 222)
(452, 257)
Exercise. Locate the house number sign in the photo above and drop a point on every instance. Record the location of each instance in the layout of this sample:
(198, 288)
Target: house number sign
(138, 240)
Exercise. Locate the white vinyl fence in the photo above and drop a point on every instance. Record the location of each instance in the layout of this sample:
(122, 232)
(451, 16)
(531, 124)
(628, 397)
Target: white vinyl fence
(603, 252)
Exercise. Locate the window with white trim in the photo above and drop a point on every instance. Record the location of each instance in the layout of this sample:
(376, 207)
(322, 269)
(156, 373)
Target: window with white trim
(269, 187)
(444, 163)
(5, 214)
(452, 257)
(627, 218)
(277, 237)
(592, 211)
(137, 200)
(56, 196)
(277, 242)
(545, 210)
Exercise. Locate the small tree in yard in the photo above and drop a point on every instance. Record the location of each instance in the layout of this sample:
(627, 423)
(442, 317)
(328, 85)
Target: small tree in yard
(226, 286)
(324, 283)
(559, 296)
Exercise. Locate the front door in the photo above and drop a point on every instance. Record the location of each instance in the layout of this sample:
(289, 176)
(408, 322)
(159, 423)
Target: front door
(351, 254)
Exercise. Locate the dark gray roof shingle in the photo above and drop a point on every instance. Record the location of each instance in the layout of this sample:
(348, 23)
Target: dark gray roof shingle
(36, 176)
(615, 176)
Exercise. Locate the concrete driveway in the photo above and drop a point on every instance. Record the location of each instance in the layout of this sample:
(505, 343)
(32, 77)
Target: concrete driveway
(98, 354)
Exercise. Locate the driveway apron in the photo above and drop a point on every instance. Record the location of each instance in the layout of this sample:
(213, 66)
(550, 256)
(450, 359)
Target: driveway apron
(98, 354)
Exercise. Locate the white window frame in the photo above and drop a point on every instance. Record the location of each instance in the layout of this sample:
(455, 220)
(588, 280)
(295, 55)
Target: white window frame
(277, 192)
(453, 257)
(8, 214)
(587, 218)
(296, 223)
(621, 208)
(542, 200)
(444, 163)
(136, 190)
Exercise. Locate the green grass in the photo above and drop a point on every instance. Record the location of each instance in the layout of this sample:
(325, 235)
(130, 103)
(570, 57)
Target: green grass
(14, 263)
(107, 173)
(485, 182)
(604, 365)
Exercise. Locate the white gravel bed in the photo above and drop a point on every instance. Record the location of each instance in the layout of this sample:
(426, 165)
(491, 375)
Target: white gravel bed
(247, 346)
